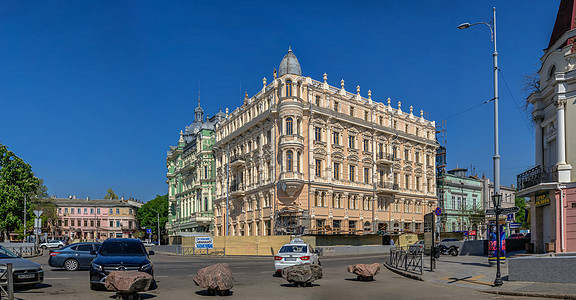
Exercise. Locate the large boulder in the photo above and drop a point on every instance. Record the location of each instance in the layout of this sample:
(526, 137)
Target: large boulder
(217, 277)
(304, 273)
(128, 281)
(365, 270)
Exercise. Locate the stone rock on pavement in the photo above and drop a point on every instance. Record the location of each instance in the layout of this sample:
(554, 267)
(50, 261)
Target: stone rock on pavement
(302, 273)
(365, 270)
(215, 277)
(128, 281)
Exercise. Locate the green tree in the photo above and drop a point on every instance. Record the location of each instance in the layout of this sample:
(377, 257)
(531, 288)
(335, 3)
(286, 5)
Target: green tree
(148, 218)
(110, 194)
(17, 181)
(520, 202)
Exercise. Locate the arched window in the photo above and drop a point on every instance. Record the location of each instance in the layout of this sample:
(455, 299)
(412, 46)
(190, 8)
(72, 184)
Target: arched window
(289, 122)
(289, 160)
(289, 88)
(552, 72)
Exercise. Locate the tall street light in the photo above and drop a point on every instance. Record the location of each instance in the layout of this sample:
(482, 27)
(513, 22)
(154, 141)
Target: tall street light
(497, 196)
(158, 214)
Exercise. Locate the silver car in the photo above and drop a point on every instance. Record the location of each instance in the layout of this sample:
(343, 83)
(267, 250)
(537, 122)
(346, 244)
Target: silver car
(25, 272)
(295, 253)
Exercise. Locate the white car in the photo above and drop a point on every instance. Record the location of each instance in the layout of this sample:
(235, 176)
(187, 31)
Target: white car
(53, 244)
(295, 253)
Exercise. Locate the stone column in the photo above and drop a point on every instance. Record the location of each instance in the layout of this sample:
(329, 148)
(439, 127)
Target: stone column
(560, 137)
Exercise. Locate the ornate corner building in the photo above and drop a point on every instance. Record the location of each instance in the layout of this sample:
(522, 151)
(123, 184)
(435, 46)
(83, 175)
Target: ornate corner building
(302, 156)
(190, 177)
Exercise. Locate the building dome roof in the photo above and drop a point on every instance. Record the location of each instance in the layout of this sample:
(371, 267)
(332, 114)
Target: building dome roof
(289, 65)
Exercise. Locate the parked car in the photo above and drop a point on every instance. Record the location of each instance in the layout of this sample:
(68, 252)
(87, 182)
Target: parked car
(119, 254)
(449, 240)
(53, 244)
(26, 272)
(295, 253)
(73, 257)
(416, 247)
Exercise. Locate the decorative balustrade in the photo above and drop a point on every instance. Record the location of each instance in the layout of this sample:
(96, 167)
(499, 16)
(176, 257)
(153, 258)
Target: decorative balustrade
(534, 177)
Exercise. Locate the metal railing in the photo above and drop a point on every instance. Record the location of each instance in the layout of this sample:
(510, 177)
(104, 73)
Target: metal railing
(9, 275)
(409, 259)
(191, 250)
(534, 177)
(25, 251)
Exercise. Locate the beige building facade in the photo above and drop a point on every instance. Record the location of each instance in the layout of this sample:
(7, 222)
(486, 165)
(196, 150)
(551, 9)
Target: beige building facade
(306, 157)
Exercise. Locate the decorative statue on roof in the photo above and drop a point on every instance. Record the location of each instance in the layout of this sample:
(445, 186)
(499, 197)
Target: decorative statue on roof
(275, 73)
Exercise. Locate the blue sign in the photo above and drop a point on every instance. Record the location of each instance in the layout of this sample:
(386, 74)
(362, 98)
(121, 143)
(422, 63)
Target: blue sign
(148, 231)
(510, 217)
(437, 211)
(204, 242)
(515, 225)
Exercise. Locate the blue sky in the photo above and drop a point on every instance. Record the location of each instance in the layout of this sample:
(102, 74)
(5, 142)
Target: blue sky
(92, 93)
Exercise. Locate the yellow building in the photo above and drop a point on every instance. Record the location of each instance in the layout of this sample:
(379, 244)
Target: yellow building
(307, 157)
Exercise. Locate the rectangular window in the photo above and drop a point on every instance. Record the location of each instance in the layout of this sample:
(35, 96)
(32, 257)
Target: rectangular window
(366, 115)
(117, 211)
(65, 222)
(98, 211)
(336, 106)
(85, 223)
(85, 211)
(352, 225)
(337, 171)
(318, 100)
(110, 211)
(406, 181)
(117, 223)
(98, 223)
(406, 155)
(427, 159)
(91, 223)
(336, 138)
(318, 168)
(317, 134)
(351, 111)
(406, 127)
(418, 183)
(72, 211)
(268, 137)
(381, 121)
(366, 175)
(394, 152)
(417, 157)
(91, 211)
(336, 225)
(352, 142)
(352, 173)
(316, 199)
(205, 172)
(366, 145)
(130, 224)
(395, 178)
(395, 124)
(129, 211)
(417, 131)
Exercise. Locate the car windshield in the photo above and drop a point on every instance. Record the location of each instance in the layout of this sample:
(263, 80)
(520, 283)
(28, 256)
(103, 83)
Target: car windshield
(294, 248)
(5, 253)
(122, 249)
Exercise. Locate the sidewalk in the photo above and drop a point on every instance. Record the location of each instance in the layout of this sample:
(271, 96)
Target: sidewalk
(475, 272)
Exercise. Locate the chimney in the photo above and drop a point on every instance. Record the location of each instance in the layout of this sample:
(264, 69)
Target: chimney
(88, 198)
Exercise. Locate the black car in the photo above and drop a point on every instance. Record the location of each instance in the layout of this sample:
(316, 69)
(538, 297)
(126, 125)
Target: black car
(73, 257)
(119, 255)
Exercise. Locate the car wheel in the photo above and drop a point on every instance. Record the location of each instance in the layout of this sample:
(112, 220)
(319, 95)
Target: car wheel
(43, 247)
(71, 265)
(94, 286)
(59, 246)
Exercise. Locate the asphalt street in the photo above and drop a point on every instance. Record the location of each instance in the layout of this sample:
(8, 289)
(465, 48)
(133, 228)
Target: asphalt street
(254, 280)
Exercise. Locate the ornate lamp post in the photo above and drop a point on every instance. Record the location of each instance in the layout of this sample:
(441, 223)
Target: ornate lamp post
(497, 197)
(497, 200)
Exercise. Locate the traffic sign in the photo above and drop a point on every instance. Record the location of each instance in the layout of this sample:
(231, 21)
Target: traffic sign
(38, 213)
(437, 211)
(503, 211)
(149, 231)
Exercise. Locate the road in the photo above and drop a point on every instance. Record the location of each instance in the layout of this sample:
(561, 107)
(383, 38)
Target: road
(253, 280)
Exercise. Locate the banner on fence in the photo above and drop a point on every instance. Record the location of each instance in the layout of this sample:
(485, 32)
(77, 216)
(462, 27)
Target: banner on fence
(204, 242)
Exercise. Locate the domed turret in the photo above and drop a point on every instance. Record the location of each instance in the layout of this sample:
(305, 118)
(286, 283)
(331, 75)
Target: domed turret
(198, 113)
(289, 65)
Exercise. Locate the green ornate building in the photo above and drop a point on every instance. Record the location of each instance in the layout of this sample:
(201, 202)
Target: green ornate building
(191, 176)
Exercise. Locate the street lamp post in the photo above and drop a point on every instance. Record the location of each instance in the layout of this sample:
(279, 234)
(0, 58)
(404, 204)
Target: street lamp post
(497, 197)
(158, 215)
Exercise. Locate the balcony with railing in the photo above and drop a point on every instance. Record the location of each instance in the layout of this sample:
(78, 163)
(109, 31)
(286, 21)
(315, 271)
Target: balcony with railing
(291, 140)
(387, 188)
(237, 189)
(383, 158)
(535, 176)
(290, 182)
(237, 161)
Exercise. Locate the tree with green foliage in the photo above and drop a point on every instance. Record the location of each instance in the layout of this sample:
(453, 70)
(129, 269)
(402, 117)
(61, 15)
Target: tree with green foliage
(520, 202)
(17, 182)
(110, 194)
(147, 216)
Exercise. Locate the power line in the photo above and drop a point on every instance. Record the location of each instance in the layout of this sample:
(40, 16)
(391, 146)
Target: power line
(468, 109)
(515, 103)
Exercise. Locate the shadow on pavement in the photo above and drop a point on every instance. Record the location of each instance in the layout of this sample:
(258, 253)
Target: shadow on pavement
(205, 293)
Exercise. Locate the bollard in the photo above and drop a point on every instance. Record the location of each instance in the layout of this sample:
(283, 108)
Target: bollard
(10, 281)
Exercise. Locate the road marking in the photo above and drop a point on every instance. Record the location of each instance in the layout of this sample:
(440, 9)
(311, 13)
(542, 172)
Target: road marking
(272, 272)
(63, 278)
(163, 276)
(469, 279)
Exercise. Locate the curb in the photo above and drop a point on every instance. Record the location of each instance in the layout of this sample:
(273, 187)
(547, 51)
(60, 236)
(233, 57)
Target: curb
(405, 274)
(529, 294)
